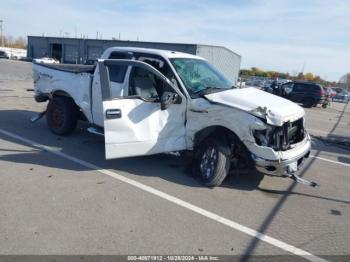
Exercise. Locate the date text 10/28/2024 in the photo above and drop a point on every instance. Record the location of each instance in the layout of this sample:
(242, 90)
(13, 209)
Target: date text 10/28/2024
(173, 258)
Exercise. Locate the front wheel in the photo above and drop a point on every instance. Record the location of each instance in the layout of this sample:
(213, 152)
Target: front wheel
(212, 162)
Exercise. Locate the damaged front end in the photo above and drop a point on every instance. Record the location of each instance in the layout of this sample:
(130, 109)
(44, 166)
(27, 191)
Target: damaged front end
(281, 138)
(276, 138)
(290, 142)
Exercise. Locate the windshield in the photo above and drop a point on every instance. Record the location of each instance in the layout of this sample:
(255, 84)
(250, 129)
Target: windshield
(199, 76)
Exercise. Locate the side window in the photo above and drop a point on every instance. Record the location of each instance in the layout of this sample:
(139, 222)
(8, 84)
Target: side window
(287, 88)
(315, 88)
(288, 85)
(298, 87)
(144, 84)
(117, 72)
(162, 66)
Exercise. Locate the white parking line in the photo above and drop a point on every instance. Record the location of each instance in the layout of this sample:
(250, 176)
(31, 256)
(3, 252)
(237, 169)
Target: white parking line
(331, 161)
(230, 223)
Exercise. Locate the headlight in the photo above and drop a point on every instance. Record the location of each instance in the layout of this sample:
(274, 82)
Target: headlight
(261, 137)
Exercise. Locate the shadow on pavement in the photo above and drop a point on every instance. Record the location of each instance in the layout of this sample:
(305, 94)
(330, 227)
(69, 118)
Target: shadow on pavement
(344, 159)
(280, 192)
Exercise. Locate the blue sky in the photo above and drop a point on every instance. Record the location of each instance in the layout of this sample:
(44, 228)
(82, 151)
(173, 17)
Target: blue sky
(273, 35)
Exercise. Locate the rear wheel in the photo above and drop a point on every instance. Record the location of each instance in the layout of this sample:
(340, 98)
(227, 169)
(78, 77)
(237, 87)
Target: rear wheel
(212, 162)
(62, 115)
(308, 102)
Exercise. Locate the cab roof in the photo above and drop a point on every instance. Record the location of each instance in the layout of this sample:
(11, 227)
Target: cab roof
(163, 53)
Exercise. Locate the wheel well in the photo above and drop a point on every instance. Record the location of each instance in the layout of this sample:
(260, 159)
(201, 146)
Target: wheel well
(61, 93)
(220, 132)
(65, 94)
(238, 149)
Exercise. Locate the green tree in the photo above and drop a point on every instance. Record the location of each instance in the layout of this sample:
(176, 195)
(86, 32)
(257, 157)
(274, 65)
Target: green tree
(255, 71)
(245, 73)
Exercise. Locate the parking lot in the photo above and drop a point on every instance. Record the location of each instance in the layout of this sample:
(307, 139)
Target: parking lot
(60, 196)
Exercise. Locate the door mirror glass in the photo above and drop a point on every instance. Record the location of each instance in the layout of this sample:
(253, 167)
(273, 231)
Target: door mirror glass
(167, 99)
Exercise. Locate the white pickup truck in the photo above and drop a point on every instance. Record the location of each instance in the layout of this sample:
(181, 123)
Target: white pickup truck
(147, 101)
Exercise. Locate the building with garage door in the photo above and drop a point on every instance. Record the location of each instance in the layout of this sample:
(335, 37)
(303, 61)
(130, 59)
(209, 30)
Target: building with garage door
(86, 51)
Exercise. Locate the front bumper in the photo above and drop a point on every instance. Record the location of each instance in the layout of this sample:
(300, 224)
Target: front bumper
(285, 165)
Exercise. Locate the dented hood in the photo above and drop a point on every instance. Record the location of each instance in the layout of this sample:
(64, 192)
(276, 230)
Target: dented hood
(276, 110)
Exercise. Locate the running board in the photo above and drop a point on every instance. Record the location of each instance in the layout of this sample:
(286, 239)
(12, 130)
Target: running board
(96, 130)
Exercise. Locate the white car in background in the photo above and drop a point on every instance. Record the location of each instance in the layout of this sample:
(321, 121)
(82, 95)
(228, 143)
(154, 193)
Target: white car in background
(46, 60)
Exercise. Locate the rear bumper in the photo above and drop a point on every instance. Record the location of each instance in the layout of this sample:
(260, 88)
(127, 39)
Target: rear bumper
(285, 165)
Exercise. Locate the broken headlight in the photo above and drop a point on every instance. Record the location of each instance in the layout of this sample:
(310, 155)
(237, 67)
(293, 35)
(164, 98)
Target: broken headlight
(280, 137)
(261, 133)
(260, 137)
(263, 136)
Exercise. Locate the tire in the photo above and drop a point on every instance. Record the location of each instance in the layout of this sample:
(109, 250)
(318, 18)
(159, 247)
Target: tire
(212, 162)
(308, 102)
(62, 115)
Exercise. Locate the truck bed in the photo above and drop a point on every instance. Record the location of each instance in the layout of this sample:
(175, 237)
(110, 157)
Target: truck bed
(73, 80)
(71, 68)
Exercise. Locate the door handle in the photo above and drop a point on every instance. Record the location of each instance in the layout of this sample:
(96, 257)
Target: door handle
(113, 113)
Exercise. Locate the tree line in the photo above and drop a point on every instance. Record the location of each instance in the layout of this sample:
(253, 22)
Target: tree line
(254, 71)
(14, 42)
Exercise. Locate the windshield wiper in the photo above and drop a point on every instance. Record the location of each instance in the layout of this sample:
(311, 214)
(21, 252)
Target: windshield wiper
(207, 90)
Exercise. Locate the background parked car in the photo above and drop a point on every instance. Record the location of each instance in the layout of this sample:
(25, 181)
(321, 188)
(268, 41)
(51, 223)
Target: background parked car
(3, 55)
(330, 92)
(343, 96)
(46, 60)
(309, 94)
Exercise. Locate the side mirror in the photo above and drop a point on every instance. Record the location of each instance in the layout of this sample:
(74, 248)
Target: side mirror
(167, 99)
